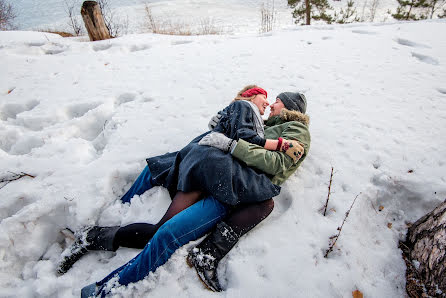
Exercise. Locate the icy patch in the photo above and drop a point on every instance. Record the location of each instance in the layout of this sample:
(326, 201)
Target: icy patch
(425, 59)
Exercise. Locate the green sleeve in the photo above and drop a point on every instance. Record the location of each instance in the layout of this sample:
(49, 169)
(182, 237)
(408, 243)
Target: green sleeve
(270, 162)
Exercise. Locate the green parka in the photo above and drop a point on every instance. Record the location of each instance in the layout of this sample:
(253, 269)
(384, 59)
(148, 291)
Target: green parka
(291, 125)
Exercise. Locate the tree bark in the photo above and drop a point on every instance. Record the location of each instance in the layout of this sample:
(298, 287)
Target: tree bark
(308, 11)
(424, 252)
(94, 21)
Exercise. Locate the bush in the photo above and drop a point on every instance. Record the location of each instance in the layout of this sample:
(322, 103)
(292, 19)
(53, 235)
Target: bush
(159, 26)
(115, 24)
(7, 16)
(73, 19)
(267, 13)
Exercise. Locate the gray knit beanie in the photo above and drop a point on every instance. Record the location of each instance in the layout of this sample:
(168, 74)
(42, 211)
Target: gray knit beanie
(294, 101)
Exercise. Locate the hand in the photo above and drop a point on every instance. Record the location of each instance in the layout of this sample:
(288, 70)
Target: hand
(219, 141)
(293, 149)
(214, 121)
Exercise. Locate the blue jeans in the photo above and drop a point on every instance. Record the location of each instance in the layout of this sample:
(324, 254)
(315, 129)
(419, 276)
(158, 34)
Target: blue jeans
(190, 224)
(141, 185)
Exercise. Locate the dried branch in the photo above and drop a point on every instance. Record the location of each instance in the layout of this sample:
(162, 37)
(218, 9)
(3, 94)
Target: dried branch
(329, 191)
(6, 180)
(334, 238)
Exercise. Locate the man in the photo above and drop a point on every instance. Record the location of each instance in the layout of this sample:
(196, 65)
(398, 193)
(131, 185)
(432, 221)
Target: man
(287, 120)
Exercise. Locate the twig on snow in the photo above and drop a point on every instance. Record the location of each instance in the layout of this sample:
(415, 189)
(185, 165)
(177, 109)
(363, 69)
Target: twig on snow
(334, 238)
(14, 177)
(329, 192)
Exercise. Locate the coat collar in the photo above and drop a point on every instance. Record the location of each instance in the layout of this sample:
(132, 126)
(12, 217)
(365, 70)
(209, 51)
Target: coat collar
(287, 116)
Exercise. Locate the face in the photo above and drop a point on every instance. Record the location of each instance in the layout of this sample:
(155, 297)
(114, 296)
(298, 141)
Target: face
(260, 101)
(276, 108)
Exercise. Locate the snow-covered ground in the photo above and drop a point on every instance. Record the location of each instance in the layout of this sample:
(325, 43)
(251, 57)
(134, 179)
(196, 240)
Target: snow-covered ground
(82, 117)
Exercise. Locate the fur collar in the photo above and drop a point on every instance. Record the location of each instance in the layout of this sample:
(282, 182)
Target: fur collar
(288, 115)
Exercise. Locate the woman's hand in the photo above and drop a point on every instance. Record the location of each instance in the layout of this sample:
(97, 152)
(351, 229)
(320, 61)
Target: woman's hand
(219, 141)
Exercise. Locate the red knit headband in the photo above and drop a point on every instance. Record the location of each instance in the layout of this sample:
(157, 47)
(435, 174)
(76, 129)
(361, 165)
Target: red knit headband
(254, 91)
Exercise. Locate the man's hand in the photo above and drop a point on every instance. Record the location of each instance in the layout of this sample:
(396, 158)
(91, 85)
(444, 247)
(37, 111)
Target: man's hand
(219, 141)
(293, 149)
(214, 121)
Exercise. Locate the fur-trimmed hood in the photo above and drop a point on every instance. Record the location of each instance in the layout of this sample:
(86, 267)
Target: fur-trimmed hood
(288, 115)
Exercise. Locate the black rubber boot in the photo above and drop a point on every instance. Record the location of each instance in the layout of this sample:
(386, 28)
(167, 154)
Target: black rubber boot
(206, 255)
(90, 238)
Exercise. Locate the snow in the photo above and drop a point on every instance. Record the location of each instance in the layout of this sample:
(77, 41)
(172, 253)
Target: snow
(82, 117)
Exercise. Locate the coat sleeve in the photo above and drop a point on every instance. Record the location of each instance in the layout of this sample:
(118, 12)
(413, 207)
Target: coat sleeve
(270, 162)
(238, 123)
(273, 162)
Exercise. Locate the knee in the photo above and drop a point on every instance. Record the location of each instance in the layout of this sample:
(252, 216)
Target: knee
(268, 206)
(165, 234)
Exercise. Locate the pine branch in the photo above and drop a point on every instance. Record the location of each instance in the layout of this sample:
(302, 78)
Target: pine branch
(14, 177)
(334, 239)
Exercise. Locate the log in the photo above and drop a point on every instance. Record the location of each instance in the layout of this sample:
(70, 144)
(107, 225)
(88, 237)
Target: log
(424, 252)
(94, 21)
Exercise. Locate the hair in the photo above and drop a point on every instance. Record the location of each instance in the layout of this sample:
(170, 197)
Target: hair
(239, 94)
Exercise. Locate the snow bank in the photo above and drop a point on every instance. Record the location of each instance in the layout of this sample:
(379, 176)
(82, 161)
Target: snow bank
(82, 117)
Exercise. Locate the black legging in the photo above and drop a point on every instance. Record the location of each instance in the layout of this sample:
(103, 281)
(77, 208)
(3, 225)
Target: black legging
(242, 219)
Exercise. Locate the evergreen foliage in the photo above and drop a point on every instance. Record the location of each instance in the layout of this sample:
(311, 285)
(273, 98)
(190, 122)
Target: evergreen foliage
(320, 11)
(418, 9)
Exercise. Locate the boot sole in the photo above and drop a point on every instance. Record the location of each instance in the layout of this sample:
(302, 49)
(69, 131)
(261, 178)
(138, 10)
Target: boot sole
(189, 263)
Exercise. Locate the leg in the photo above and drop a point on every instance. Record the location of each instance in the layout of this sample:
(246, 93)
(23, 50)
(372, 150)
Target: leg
(206, 255)
(134, 235)
(141, 185)
(186, 226)
(139, 234)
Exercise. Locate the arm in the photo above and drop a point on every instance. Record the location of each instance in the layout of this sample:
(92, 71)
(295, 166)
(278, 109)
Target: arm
(237, 123)
(273, 162)
(270, 162)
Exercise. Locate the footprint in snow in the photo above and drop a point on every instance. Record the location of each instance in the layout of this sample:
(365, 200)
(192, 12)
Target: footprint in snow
(124, 98)
(425, 59)
(78, 110)
(53, 49)
(136, 48)
(364, 32)
(181, 42)
(409, 43)
(101, 47)
(442, 90)
(11, 110)
(35, 44)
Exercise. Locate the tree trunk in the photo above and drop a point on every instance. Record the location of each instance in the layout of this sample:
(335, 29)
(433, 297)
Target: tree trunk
(424, 252)
(308, 11)
(94, 21)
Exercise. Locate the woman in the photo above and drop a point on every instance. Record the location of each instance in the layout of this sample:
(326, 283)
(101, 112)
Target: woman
(185, 175)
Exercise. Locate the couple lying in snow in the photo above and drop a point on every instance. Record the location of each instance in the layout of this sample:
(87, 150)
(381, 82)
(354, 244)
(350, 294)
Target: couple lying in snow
(221, 183)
